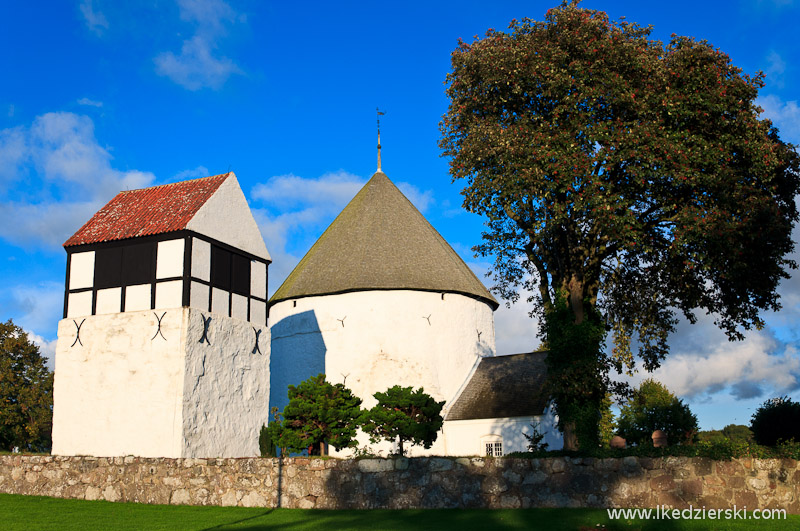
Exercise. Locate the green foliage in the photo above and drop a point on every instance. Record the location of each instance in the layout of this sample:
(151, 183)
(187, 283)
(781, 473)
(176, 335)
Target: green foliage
(634, 179)
(26, 392)
(406, 415)
(731, 432)
(577, 372)
(267, 439)
(607, 425)
(535, 439)
(654, 407)
(777, 419)
(317, 412)
(722, 450)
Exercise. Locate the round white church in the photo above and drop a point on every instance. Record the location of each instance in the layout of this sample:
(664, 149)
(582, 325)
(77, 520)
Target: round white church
(381, 299)
(170, 348)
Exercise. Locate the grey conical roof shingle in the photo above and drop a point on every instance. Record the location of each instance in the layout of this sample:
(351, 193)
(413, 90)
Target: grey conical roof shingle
(380, 241)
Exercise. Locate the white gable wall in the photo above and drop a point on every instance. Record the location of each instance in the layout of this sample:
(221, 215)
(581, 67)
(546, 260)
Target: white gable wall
(226, 217)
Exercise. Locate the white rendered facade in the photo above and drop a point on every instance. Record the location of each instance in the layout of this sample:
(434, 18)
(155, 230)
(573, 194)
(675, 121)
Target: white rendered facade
(125, 386)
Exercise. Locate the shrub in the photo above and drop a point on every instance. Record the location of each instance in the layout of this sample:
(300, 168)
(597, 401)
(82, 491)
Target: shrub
(654, 407)
(405, 415)
(777, 419)
(318, 411)
(535, 439)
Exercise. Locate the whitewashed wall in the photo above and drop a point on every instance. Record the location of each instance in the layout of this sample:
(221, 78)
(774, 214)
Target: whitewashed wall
(119, 393)
(125, 392)
(466, 437)
(372, 340)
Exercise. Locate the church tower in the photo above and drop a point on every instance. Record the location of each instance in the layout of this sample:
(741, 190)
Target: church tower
(380, 299)
(164, 347)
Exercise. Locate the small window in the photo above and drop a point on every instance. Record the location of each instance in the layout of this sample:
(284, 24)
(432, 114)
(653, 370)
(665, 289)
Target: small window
(220, 268)
(241, 275)
(127, 265)
(494, 449)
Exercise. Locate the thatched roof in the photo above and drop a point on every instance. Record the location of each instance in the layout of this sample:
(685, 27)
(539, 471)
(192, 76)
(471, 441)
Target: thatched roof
(380, 241)
(503, 386)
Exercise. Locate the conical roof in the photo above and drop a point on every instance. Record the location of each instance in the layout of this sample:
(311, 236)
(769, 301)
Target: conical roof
(380, 241)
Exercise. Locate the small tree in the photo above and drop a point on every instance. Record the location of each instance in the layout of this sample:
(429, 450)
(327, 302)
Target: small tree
(777, 419)
(319, 411)
(26, 392)
(269, 435)
(608, 423)
(405, 415)
(654, 407)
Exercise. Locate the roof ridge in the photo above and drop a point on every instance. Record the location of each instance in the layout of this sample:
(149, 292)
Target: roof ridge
(226, 174)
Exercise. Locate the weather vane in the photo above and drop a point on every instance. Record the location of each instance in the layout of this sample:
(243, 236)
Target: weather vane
(377, 110)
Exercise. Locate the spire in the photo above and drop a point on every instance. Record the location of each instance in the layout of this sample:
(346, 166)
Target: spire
(379, 137)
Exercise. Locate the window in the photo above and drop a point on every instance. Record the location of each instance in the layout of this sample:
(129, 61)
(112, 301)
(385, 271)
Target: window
(230, 271)
(494, 449)
(127, 265)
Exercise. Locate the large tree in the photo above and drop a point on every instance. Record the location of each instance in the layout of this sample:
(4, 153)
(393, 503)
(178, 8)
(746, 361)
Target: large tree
(26, 392)
(624, 182)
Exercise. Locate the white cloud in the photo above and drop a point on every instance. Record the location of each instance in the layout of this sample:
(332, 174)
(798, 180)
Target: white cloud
(90, 103)
(776, 67)
(784, 114)
(57, 175)
(198, 65)
(95, 20)
(747, 368)
(515, 330)
(37, 306)
(46, 347)
(330, 192)
(199, 171)
(421, 200)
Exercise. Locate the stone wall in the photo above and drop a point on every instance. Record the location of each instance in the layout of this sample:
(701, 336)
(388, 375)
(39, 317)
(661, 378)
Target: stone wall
(412, 483)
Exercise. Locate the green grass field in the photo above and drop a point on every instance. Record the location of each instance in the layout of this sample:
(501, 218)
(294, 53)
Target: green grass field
(40, 513)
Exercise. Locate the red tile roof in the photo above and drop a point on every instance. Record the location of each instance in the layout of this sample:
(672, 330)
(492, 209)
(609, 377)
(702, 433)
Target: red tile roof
(155, 210)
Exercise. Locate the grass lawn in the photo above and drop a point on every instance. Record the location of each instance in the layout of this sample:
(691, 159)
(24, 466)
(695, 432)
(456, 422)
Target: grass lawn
(40, 513)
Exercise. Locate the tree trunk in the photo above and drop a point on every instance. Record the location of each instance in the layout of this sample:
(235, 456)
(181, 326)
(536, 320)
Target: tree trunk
(570, 437)
(402, 453)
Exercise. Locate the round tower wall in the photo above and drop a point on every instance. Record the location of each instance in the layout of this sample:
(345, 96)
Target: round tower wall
(372, 340)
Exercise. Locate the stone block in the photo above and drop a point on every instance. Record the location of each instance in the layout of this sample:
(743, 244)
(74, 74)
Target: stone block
(510, 502)
(253, 499)
(439, 464)
(663, 483)
(494, 485)
(702, 466)
(746, 499)
(180, 497)
(375, 465)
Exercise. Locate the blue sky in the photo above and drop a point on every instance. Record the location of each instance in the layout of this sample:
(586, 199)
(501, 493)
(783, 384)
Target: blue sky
(99, 96)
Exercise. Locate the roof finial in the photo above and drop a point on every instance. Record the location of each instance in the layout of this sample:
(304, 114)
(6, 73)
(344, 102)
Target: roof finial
(379, 137)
